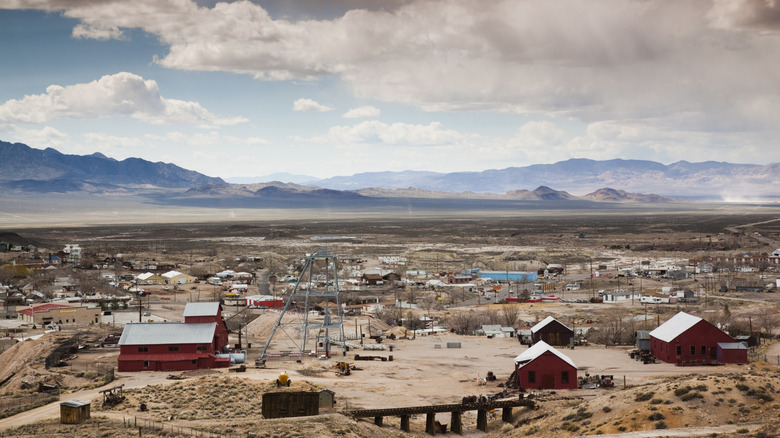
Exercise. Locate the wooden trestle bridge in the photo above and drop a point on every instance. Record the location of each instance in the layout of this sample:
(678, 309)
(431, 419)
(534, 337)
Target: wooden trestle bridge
(456, 410)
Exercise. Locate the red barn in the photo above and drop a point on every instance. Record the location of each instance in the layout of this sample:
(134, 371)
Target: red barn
(544, 367)
(689, 340)
(551, 331)
(732, 352)
(176, 346)
(208, 312)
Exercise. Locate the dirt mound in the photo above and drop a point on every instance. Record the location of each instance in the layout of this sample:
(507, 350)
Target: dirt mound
(676, 403)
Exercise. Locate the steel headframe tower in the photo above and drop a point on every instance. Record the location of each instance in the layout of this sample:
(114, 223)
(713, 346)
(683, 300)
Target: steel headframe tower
(311, 286)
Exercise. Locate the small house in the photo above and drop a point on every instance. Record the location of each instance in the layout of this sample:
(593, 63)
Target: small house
(551, 331)
(74, 412)
(689, 340)
(544, 367)
(732, 352)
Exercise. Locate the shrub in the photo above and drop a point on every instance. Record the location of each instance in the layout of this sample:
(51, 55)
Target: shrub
(656, 401)
(691, 396)
(661, 425)
(682, 391)
(656, 416)
(644, 396)
(570, 427)
(606, 409)
(742, 387)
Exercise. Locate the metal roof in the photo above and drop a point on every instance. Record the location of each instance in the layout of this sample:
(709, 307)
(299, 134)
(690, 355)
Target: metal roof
(732, 346)
(160, 333)
(544, 322)
(201, 309)
(537, 350)
(676, 326)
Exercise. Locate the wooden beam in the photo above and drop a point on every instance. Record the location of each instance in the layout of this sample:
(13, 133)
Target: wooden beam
(482, 422)
(430, 423)
(456, 424)
(405, 423)
(506, 414)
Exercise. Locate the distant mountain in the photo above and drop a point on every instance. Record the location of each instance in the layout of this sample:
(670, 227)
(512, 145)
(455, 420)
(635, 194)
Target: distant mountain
(281, 176)
(28, 169)
(612, 195)
(709, 179)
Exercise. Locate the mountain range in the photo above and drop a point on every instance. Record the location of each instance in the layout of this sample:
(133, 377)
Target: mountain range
(27, 170)
(709, 180)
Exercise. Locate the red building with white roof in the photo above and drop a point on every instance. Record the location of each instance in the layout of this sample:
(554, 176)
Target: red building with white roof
(689, 340)
(176, 346)
(544, 367)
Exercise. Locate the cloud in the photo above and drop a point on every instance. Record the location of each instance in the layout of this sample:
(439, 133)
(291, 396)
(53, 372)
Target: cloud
(310, 106)
(745, 14)
(119, 95)
(362, 112)
(692, 67)
(400, 134)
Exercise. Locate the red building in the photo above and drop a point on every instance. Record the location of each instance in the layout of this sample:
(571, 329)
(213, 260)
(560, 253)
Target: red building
(208, 312)
(176, 346)
(689, 340)
(551, 331)
(544, 367)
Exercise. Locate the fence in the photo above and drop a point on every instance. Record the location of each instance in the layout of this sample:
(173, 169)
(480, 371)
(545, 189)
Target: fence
(139, 427)
(13, 406)
(157, 428)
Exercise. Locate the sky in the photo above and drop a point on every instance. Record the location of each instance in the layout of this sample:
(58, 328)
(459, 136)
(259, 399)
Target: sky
(334, 88)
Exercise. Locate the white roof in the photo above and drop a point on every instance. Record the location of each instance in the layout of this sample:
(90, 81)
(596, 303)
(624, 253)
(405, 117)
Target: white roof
(676, 326)
(171, 274)
(537, 350)
(201, 309)
(732, 346)
(157, 333)
(144, 276)
(543, 323)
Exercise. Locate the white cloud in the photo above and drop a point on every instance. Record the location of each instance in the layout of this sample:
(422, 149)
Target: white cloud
(97, 32)
(401, 134)
(119, 95)
(362, 112)
(594, 60)
(45, 137)
(689, 75)
(310, 106)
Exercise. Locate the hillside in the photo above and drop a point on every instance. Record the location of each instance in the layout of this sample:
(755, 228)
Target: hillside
(33, 170)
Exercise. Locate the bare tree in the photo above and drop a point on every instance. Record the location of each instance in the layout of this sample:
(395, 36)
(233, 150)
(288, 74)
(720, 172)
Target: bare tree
(463, 323)
(509, 314)
(767, 319)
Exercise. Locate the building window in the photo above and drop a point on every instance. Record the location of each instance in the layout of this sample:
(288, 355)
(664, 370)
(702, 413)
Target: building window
(564, 377)
(146, 364)
(194, 362)
(201, 348)
(679, 350)
(143, 349)
(532, 377)
(703, 350)
(693, 350)
(173, 348)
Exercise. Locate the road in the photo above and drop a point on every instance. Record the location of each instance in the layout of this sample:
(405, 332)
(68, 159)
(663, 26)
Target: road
(52, 410)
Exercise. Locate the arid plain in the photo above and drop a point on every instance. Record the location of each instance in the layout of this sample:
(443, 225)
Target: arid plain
(422, 372)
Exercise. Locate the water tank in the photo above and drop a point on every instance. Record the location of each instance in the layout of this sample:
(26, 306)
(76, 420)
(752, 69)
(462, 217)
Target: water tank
(235, 358)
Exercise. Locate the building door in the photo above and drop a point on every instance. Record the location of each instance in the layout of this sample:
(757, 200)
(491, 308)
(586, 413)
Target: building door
(548, 381)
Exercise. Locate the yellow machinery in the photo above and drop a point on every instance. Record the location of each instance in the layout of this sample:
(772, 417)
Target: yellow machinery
(283, 380)
(343, 368)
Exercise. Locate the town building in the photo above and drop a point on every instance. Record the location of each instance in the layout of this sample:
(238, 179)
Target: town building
(44, 314)
(175, 346)
(689, 340)
(552, 332)
(544, 367)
